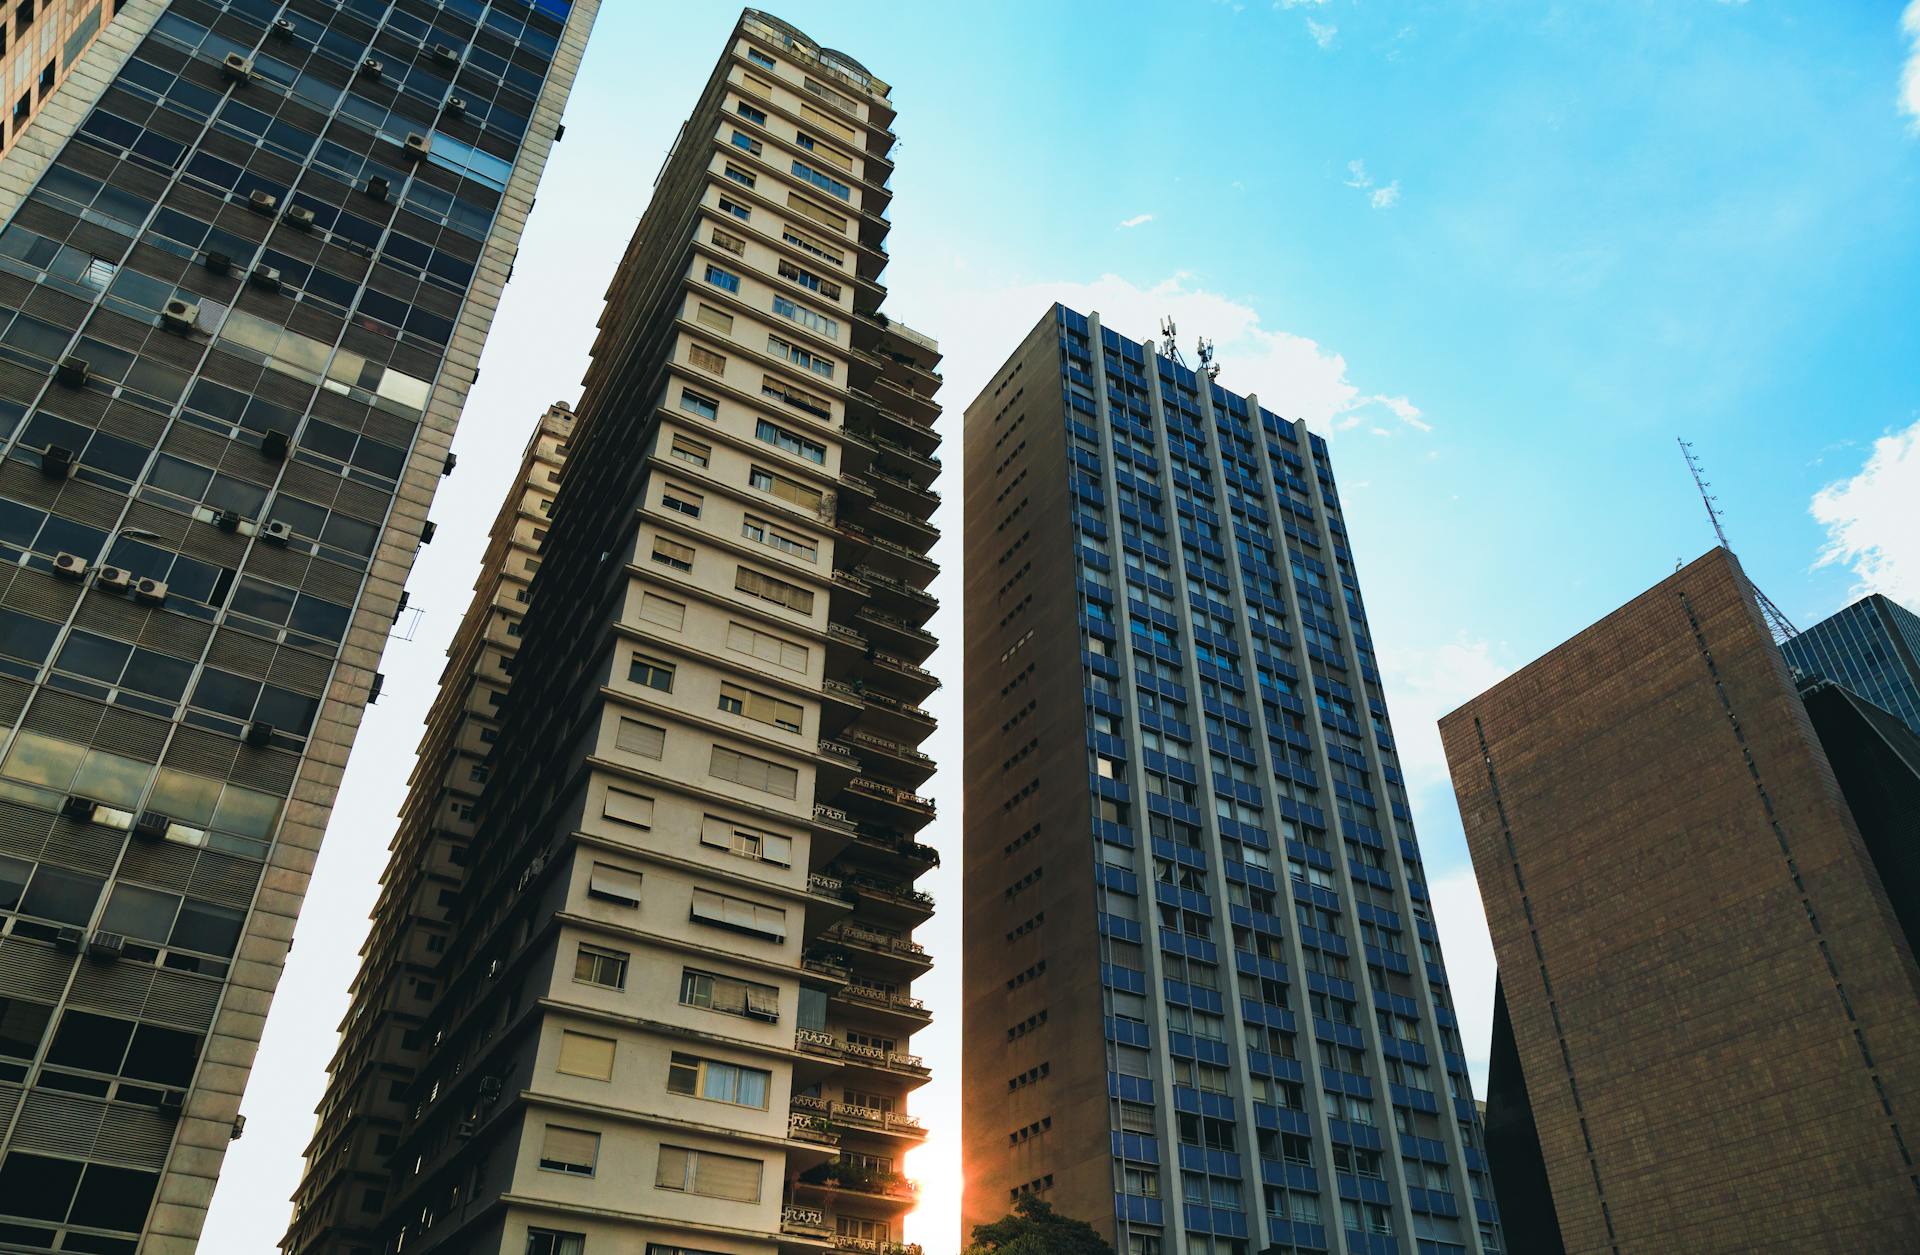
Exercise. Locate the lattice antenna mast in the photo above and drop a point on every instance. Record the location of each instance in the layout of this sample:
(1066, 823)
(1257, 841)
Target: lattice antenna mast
(1169, 345)
(1777, 620)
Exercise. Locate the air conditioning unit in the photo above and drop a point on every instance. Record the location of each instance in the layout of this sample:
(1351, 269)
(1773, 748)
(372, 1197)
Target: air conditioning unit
(56, 461)
(299, 217)
(466, 1129)
(68, 939)
(283, 29)
(105, 946)
(377, 187)
(259, 735)
(227, 520)
(239, 1129)
(150, 590)
(456, 106)
(445, 55)
(379, 682)
(71, 565)
(448, 463)
(218, 263)
(262, 202)
(79, 808)
(427, 531)
(237, 67)
(274, 445)
(266, 278)
(276, 532)
(490, 1087)
(113, 579)
(418, 146)
(373, 67)
(73, 371)
(179, 316)
(151, 825)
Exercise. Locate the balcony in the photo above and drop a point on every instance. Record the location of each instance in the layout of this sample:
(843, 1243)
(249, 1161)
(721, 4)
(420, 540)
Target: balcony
(891, 900)
(835, 1177)
(879, 954)
(901, 804)
(903, 1012)
(897, 762)
(897, 636)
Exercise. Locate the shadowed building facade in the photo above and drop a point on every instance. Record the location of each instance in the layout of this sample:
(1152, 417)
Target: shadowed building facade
(1205, 1004)
(1710, 1005)
(382, 1038)
(659, 998)
(1872, 648)
(249, 253)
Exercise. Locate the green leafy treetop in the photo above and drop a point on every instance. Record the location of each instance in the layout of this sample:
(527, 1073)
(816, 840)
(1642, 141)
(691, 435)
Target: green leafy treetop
(1034, 1229)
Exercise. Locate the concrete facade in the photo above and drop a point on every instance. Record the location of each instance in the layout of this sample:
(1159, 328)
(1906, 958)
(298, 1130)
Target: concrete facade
(229, 436)
(1711, 997)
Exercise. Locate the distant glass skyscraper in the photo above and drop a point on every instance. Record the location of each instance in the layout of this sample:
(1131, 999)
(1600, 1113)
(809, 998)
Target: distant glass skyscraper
(1872, 647)
(249, 253)
(1206, 1009)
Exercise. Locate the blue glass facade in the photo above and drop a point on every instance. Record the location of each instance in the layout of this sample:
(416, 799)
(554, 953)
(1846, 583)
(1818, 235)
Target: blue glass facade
(1284, 1071)
(1873, 648)
(235, 333)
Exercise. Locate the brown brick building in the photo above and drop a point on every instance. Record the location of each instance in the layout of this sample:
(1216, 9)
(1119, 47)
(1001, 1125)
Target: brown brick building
(1714, 1005)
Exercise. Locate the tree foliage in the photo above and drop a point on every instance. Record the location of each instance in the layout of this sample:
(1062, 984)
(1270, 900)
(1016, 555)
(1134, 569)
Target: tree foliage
(1035, 1228)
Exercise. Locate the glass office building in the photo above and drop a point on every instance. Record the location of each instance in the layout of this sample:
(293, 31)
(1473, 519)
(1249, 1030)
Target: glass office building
(248, 256)
(1872, 647)
(1206, 1008)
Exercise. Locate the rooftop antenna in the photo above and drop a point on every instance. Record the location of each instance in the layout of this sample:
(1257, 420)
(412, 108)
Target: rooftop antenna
(1169, 345)
(1208, 366)
(1782, 626)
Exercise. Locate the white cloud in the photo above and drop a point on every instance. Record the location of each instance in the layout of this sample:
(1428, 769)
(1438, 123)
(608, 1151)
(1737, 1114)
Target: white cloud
(1323, 32)
(1468, 951)
(1294, 376)
(1910, 73)
(1871, 518)
(1426, 683)
(1380, 197)
(1136, 221)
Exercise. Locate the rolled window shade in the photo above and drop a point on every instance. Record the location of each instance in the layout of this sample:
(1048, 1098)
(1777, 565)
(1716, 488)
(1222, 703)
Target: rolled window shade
(727, 1176)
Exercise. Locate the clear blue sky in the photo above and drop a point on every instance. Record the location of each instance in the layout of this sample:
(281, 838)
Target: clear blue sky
(1574, 232)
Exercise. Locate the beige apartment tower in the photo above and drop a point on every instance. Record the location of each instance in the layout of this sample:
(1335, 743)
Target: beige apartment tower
(39, 45)
(642, 980)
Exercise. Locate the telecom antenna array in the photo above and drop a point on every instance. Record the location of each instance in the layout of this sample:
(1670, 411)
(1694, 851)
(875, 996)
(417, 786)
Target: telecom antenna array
(1782, 626)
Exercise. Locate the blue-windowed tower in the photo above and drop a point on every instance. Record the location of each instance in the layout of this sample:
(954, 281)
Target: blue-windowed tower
(1205, 1003)
(1871, 648)
(249, 254)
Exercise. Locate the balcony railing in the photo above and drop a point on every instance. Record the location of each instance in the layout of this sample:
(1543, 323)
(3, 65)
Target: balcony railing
(854, 934)
(826, 886)
(903, 797)
(808, 1221)
(831, 816)
(874, 994)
